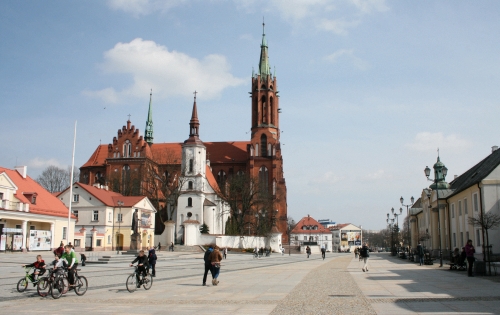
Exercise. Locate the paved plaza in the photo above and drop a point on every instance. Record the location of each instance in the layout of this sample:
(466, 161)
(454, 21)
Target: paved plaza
(270, 285)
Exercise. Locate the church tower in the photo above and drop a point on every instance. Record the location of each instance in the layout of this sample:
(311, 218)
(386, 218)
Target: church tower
(148, 133)
(266, 162)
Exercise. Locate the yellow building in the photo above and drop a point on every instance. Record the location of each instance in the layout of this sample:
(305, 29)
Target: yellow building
(104, 218)
(31, 218)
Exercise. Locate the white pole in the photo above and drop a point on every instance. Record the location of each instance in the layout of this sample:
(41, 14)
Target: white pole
(71, 186)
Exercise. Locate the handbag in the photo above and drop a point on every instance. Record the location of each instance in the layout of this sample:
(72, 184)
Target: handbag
(217, 265)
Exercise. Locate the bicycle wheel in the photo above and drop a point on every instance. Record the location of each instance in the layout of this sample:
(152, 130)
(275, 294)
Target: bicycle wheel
(57, 288)
(43, 286)
(66, 284)
(22, 285)
(81, 285)
(148, 281)
(131, 283)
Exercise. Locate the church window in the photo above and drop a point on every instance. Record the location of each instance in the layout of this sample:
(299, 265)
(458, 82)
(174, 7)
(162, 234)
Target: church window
(263, 144)
(190, 202)
(263, 179)
(269, 149)
(127, 149)
(190, 185)
(125, 177)
(271, 111)
(191, 165)
(221, 178)
(274, 187)
(264, 109)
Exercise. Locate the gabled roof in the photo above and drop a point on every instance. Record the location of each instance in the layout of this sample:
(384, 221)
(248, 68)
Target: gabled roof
(46, 203)
(309, 221)
(211, 180)
(476, 173)
(339, 226)
(109, 198)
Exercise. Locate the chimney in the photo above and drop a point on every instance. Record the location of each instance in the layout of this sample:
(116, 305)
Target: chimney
(494, 148)
(22, 170)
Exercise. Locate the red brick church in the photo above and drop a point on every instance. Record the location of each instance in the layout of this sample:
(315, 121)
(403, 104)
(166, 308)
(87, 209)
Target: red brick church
(130, 153)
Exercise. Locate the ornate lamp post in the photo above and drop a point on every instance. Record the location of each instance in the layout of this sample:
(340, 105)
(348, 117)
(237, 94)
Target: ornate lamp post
(391, 227)
(440, 172)
(412, 200)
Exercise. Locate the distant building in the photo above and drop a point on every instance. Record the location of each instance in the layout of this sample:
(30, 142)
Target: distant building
(327, 223)
(104, 218)
(309, 232)
(346, 237)
(30, 216)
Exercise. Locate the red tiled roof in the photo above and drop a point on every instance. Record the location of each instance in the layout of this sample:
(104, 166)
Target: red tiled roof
(339, 226)
(309, 221)
(211, 180)
(46, 203)
(110, 198)
(171, 153)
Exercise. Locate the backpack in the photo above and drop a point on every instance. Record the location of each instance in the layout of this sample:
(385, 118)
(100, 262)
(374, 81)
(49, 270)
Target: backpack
(363, 252)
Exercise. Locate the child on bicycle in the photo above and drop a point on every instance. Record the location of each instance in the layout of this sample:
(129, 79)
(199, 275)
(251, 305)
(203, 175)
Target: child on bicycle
(39, 270)
(142, 265)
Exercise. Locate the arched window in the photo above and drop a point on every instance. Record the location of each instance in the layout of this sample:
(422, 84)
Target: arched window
(190, 202)
(271, 110)
(264, 109)
(190, 185)
(263, 144)
(191, 165)
(264, 179)
(127, 149)
(221, 178)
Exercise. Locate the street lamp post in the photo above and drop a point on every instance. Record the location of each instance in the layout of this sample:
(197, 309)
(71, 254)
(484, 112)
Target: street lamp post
(393, 227)
(440, 172)
(412, 200)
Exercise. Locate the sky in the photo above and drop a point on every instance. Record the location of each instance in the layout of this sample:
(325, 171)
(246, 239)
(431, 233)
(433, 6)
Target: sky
(369, 89)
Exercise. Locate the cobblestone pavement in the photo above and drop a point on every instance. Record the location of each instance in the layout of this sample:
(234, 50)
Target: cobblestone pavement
(271, 285)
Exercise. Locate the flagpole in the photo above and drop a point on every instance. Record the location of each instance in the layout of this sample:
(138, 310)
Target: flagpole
(71, 186)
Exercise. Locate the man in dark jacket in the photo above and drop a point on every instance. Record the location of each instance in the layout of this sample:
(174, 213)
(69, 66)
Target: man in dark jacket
(142, 265)
(420, 253)
(365, 254)
(208, 263)
(152, 261)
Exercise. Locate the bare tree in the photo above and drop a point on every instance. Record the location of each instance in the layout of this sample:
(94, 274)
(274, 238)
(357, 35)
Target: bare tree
(56, 179)
(486, 221)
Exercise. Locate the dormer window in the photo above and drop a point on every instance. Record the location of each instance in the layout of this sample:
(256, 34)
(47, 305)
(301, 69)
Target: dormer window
(33, 199)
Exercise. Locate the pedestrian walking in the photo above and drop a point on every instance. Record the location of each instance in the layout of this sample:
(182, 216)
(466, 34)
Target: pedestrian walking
(215, 258)
(225, 252)
(365, 253)
(323, 251)
(208, 264)
(469, 252)
(356, 252)
(152, 260)
(420, 253)
(83, 258)
(308, 251)
(171, 247)
(159, 246)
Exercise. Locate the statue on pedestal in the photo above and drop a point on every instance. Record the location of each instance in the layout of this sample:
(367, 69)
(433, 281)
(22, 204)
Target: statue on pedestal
(135, 238)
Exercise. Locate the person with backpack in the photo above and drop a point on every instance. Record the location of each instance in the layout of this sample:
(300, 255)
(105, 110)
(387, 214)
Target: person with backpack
(208, 264)
(152, 261)
(365, 254)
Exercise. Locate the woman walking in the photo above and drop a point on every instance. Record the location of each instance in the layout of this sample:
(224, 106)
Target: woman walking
(469, 251)
(215, 258)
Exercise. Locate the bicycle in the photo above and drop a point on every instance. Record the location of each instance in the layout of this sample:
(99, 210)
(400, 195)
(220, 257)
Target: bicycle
(59, 287)
(22, 284)
(45, 283)
(145, 280)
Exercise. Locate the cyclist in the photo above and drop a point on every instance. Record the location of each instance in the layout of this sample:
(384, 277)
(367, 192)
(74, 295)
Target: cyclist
(142, 266)
(39, 266)
(70, 257)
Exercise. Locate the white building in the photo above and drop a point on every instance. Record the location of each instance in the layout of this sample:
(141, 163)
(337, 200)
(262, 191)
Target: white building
(309, 232)
(346, 237)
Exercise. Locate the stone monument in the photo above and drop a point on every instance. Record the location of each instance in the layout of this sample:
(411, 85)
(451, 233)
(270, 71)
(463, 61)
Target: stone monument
(135, 238)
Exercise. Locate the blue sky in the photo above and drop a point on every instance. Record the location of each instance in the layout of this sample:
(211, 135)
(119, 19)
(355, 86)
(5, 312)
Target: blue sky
(369, 88)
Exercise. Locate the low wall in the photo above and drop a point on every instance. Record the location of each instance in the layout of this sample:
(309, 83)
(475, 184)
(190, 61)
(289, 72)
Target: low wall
(233, 241)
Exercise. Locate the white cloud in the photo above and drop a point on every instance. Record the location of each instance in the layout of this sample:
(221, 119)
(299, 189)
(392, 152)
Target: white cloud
(143, 7)
(338, 26)
(327, 179)
(349, 55)
(427, 141)
(376, 175)
(168, 73)
(39, 163)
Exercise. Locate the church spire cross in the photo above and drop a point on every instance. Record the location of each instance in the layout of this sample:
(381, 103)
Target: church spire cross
(129, 117)
(148, 134)
(263, 27)
(195, 95)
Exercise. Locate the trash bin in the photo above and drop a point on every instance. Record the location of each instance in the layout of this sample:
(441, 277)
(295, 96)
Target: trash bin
(479, 267)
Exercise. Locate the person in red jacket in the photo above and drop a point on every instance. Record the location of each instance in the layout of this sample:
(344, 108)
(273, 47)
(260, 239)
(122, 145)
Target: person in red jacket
(39, 266)
(469, 252)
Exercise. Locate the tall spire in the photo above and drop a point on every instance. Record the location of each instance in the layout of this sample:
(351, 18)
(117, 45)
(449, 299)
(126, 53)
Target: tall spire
(149, 122)
(264, 67)
(194, 124)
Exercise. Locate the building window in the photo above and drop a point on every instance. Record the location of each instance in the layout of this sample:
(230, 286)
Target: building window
(32, 227)
(190, 202)
(110, 218)
(33, 200)
(465, 206)
(263, 179)
(75, 213)
(263, 144)
(109, 239)
(256, 149)
(191, 165)
(478, 238)
(120, 217)
(98, 243)
(221, 178)
(64, 232)
(76, 198)
(476, 205)
(1, 195)
(95, 215)
(274, 187)
(461, 239)
(452, 210)
(459, 207)
(76, 243)
(127, 149)
(190, 185)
